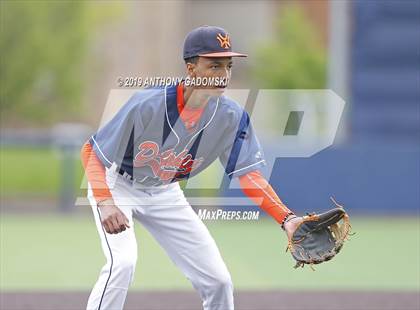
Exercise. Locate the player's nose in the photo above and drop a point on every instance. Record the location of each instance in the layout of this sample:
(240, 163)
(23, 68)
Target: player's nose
(226, 74)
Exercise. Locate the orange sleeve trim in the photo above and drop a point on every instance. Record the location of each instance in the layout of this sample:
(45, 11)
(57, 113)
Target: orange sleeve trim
(256, 187)
(95, 173)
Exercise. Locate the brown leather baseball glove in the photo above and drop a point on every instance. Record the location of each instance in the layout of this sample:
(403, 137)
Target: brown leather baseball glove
(319, 237)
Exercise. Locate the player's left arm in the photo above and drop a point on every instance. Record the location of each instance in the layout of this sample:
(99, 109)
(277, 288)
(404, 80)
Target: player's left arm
(257, 188)
(242, 159)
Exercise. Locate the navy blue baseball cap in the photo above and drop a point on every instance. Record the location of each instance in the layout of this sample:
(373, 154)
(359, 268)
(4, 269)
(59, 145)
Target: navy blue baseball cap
(209, 41)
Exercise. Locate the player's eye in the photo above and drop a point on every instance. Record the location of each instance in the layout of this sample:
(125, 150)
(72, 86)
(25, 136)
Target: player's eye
(214, 66)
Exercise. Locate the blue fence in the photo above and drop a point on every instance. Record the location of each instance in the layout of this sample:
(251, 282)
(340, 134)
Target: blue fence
(378, 168)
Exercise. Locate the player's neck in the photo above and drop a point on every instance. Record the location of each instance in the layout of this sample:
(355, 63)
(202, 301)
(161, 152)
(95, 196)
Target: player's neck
(194, 99)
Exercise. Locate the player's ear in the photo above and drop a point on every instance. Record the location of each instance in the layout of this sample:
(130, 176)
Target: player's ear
(190, 68)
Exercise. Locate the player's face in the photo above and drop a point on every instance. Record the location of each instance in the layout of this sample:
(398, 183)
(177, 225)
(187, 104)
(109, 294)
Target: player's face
(212, 68)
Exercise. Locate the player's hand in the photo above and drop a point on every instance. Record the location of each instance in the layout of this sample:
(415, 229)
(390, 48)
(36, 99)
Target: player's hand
(317, 238)
(290, 226)
(112, 218)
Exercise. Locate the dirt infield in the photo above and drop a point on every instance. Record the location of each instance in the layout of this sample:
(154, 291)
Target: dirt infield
(244, 300)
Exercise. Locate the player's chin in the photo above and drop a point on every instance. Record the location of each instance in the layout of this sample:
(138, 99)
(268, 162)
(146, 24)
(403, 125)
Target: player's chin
(217, 91)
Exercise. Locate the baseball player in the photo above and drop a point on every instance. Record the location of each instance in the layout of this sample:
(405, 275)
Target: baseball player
(159, 137)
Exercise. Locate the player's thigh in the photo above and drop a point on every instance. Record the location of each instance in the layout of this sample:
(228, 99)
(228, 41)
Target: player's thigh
(191, 248)
(173, 221)
(185, 238)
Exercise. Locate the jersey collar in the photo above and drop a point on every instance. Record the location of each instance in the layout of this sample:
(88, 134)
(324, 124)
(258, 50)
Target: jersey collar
(173, 119)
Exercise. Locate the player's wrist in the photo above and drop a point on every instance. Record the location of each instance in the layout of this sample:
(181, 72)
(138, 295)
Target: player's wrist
(290, 215)
(105, 202)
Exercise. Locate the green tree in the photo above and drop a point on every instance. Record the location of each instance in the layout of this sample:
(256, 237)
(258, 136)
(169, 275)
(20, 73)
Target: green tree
(294, 58)
(43, 48)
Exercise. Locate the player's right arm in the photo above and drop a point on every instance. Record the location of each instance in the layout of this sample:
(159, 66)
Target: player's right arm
(109, 145)
(113, 219)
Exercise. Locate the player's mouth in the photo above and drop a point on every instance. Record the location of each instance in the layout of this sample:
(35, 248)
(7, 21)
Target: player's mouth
(221, 87)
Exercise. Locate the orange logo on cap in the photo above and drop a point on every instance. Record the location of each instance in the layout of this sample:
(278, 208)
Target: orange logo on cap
(224, 40)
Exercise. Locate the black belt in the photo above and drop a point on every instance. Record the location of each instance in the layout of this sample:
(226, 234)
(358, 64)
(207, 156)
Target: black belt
(125, 174)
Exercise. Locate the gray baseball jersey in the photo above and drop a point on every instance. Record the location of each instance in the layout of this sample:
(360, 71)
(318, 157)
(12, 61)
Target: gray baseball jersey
(148, 141)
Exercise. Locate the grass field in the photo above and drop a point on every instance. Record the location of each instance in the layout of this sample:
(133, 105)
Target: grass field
(33, 171)
(63, 253)
(54, 252)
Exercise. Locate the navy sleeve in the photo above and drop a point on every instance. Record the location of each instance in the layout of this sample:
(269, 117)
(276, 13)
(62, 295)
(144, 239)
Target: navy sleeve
(245, 153)
(110, 142)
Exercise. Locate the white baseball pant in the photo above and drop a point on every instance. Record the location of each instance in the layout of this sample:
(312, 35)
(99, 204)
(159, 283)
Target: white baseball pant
(167, 215)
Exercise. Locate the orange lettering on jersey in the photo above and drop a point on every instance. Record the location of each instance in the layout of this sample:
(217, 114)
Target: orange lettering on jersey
(166, 165)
